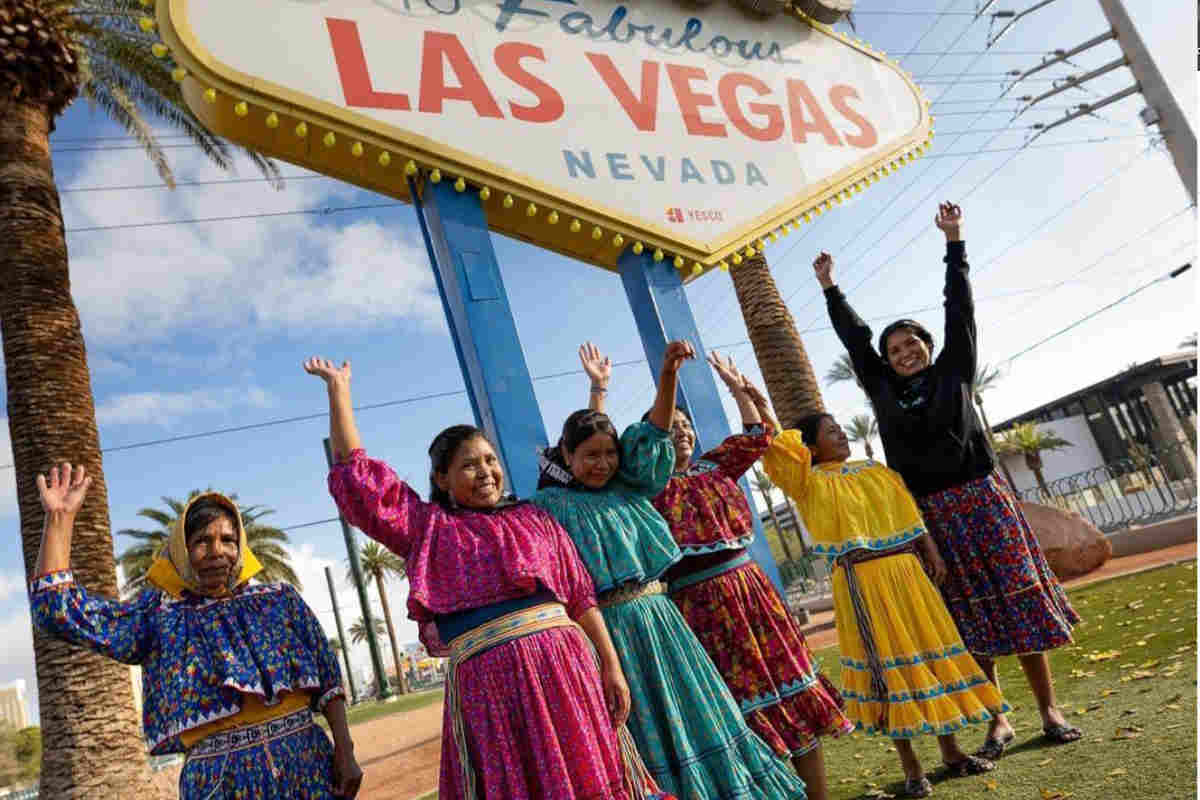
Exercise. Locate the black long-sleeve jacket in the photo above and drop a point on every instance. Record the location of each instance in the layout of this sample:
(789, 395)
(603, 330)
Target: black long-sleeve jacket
(930, 429)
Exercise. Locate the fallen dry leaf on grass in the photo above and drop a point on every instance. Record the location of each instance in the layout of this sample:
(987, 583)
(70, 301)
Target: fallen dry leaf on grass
(1118, 771)
(1054, 794)
(1045, 762)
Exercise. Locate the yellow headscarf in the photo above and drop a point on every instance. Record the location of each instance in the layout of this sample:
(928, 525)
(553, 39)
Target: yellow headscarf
(172, 569)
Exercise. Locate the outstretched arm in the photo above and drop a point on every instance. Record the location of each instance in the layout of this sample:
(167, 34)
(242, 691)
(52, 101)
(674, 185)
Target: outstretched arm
(854, 333)
(960, 349)
(599, 368)
(343, 433)
(736, 382)
(663, 412)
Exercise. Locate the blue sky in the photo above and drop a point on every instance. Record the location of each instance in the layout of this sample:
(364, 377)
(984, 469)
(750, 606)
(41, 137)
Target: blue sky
(192, 327)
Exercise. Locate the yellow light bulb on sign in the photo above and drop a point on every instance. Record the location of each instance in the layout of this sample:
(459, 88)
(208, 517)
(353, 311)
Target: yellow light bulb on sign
(597, 233)
(146, 24)
(272, 120)
(385, 158)
(723, 266)
(531, 210)
(302, 130)
(435, 175)
(575, 226)
(178, 74)
(618, 240)
(638, 247)
(658, 254)
(410, 168)
(241, 109)
(507, 202)
(210, 95)
(329, 139)
(460, 185)
(356, 149)
(159, 49)
(552, 218)
(736, 258)
(678, 262)
(696, 268)
(485, 193)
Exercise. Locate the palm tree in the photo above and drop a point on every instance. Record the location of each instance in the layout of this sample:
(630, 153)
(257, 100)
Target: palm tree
(863, 428)
(265, 541)
(358, 630)
(778, 350)
(763, 483)
(377, 564)
(1027, 440)
(842, 370)
(54, 50)
(986, 377)
(338, 647)
(1188, 342)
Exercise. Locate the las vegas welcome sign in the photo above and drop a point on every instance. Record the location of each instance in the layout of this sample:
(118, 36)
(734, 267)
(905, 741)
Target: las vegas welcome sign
(585, 126)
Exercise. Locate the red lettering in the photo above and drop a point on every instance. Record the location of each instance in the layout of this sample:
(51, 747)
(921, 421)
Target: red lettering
(866, 136)
(642, 111)
(799, 97)
(691, 102)
(550, 103)
(352, 69)
(433, 79)
(727, 91)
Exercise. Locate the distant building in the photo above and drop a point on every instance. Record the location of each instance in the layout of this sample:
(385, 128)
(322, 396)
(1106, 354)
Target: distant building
(13, 710)
(1152, 404)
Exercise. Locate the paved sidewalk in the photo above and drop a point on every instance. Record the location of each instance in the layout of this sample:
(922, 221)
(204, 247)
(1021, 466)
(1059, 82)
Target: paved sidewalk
(820, 631)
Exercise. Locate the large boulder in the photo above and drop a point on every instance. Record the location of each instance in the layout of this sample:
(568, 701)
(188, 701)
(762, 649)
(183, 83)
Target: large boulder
(1073, 546)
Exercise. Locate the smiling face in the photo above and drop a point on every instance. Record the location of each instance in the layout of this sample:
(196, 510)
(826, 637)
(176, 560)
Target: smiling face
(595, 460)
(907, 353)
(683, 436)
(475, 478)
(831, 443)
(213, 552)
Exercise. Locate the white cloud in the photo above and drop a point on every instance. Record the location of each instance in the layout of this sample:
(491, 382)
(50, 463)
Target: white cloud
(16, 657)
(11, 583)
(279, 274)
(165, 408)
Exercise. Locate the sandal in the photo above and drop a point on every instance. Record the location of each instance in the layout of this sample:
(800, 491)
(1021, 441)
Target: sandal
(971, 765)
(993, 749)
(1062, 734)
(917, 787)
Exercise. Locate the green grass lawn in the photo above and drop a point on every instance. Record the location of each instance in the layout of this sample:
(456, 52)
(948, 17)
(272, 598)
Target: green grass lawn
(365, 712)
(1129, 682)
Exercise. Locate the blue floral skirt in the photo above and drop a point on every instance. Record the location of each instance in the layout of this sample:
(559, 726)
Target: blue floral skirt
(281, 759)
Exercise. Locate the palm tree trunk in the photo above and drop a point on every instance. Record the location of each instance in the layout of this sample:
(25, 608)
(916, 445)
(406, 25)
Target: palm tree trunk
(987, 426)
(870, 451)
(387, 618)
(778, 529)
(93, 743)
(778, 349)
(796, 525)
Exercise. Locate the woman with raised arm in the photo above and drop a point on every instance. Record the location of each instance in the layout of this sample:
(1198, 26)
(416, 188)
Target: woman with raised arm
(533, 711)
(725, 597)
(232, 672)
(905, 672)
(687, 725)
(999, 588)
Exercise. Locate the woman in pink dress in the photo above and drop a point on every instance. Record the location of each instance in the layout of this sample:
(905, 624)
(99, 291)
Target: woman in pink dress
(533, 712)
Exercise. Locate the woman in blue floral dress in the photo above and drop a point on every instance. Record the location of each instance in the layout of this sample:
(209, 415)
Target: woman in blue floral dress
(232, 672)
(688, 728)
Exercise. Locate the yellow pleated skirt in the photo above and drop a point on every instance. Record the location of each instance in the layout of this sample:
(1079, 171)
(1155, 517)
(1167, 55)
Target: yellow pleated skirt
(934, 685)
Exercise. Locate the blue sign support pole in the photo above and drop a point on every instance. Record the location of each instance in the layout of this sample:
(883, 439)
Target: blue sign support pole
(663, 315)
(481, 323)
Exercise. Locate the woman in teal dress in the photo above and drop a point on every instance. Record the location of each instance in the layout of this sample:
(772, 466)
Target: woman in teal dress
(687, 726)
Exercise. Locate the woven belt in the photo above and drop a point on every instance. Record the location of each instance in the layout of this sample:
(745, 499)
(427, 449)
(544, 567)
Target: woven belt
(631, 592)
(848, 561)
(251, 736)
(701, 575)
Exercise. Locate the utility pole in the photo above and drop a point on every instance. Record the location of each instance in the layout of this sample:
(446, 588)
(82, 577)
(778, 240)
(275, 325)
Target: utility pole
(381, 680)
(337, 615)
(1163, 109)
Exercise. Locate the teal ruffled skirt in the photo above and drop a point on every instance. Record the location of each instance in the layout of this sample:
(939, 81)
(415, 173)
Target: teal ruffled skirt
(689, 729)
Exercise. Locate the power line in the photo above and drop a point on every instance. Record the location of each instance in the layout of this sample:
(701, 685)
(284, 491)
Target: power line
(234, 217)
(1175, 273)
(215, 182)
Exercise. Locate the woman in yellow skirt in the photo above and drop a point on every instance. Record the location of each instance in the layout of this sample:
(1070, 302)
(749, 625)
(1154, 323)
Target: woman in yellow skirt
(905, 671)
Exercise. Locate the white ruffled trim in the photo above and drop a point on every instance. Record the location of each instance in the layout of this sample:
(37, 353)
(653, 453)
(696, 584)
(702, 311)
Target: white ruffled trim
(51, 580)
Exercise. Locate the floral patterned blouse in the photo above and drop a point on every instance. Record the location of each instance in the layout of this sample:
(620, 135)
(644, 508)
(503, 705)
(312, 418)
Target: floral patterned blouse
(201, 656)
(618, 532)
(459, 560)
(703, 504)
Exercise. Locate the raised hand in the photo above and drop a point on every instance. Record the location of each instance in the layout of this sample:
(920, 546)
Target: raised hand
(949, 221)
(761, 403)
(64, 491)
(327, 371)
(597, 365)
(677, 353)
(823, 266)
(727, 371)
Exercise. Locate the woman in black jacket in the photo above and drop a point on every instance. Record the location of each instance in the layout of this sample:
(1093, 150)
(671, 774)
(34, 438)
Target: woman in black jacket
(1000, 591)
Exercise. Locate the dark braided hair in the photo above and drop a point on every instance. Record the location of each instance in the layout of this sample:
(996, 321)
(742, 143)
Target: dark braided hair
(203, 513)
(441, 454)
(808, 427)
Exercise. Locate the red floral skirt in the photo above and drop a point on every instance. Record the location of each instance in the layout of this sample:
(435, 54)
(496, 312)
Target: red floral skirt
(761, 653)
(1001, 592)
